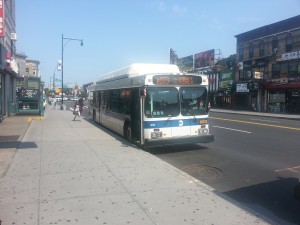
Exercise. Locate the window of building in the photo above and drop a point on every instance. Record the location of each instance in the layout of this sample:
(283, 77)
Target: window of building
(262, 48)
(241, 53)
(241, 75)
(245, 74)
(34, 71)
(275, 71)
(251, 50)
(293, 69)
(275, 45)
(284, 69)
(33, 84)
(289, 42)
(20, 83)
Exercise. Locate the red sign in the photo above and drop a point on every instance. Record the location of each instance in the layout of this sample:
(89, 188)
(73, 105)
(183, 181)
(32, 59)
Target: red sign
(2, 33)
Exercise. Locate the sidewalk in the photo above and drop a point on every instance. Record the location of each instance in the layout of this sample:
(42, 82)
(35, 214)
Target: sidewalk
(254, 113)
(67, 172)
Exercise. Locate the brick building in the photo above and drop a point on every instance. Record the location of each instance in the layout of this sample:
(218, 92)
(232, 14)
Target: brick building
(268, 75)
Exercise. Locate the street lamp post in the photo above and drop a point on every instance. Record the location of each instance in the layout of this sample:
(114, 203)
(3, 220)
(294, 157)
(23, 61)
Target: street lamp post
(62, 64)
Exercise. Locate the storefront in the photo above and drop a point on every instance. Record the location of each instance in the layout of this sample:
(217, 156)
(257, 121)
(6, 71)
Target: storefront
(283, 95)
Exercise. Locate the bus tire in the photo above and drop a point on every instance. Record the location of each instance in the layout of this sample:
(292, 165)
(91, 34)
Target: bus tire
(127, 132)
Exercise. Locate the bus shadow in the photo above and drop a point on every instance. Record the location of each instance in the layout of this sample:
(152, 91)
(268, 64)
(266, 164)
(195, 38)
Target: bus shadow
(175, 148)
(275, 199)
(119, 138)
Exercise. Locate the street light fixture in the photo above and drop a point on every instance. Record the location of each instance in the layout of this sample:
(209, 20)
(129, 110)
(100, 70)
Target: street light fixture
(62, 64)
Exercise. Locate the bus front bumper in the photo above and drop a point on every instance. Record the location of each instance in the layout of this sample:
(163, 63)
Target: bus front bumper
(179, 140)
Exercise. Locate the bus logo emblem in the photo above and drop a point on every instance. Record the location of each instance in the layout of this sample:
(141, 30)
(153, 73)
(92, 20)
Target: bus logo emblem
(180, 123)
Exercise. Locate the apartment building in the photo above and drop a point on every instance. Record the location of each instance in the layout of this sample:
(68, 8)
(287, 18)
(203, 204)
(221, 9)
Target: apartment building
(268, 75)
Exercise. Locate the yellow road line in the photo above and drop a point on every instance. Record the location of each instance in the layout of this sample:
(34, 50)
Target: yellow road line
(260, 124)
(35, 118)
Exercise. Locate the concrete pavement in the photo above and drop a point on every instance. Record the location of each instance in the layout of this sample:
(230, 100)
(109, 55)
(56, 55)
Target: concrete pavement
(66, 172)
(254, 113)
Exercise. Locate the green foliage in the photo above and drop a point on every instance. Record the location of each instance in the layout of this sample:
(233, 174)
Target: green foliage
(227, 63)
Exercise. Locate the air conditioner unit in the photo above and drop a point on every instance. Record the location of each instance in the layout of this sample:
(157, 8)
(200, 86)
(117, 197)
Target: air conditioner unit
(13, 36)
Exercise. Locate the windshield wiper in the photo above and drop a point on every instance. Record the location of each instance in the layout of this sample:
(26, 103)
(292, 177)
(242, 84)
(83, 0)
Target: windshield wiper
(169, 116)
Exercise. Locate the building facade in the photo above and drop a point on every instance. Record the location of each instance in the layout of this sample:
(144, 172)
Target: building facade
(8, 66)
(32, 68)
(268, 74)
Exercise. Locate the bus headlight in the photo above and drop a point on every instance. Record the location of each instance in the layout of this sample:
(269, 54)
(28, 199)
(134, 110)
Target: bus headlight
(203, 131)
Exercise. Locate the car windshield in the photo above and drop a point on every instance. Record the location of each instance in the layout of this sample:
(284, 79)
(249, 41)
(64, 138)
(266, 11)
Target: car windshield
(162, 102)
(193, 101)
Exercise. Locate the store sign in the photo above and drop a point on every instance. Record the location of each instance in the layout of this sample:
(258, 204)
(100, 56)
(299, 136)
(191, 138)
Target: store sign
(242, 87)
(240, 66)
(280, 81)
(248, 64)
(2, 33)
(225, 84)
(226, 75)
(289, 56)
(254, 63)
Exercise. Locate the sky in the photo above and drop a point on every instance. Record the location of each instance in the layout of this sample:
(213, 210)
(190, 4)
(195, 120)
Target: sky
(117, 33)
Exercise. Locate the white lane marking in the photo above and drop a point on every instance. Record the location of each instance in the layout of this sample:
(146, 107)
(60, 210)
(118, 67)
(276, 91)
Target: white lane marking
(226, 128)
(271, 121)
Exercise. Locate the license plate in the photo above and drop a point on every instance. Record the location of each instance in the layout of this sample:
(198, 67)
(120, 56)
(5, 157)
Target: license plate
(155, 135)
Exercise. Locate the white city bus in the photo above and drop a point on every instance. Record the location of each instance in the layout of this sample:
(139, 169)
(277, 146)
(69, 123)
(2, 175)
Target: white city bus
(152, 105)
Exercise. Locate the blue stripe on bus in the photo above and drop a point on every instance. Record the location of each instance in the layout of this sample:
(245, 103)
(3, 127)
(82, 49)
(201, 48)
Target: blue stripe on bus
(172, 123)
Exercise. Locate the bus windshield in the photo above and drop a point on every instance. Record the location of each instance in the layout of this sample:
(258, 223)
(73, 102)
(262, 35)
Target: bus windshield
(165, 101)
(193, 101)
(162, 102)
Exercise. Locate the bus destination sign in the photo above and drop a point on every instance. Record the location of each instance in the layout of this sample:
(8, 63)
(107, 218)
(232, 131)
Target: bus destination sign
(176, 79)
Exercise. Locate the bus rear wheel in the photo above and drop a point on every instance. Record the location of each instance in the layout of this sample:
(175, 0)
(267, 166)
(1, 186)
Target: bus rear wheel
(127, 132)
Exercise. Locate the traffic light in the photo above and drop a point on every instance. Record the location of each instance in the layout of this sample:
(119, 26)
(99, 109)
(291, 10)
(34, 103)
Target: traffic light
(59, 64)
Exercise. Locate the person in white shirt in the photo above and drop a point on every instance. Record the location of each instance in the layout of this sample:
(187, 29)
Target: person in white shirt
(76, 111)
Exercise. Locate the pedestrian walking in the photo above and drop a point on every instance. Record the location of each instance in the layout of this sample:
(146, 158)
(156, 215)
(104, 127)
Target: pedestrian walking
(80, 102)
(76, 111)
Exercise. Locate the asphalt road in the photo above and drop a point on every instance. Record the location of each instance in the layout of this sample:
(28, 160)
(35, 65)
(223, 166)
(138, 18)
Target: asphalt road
(253, 160)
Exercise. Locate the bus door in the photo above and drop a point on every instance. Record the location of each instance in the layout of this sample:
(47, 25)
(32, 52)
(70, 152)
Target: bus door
(102, 107)
(135, 116)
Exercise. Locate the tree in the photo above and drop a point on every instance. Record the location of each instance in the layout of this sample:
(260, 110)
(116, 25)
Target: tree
(226, 63)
